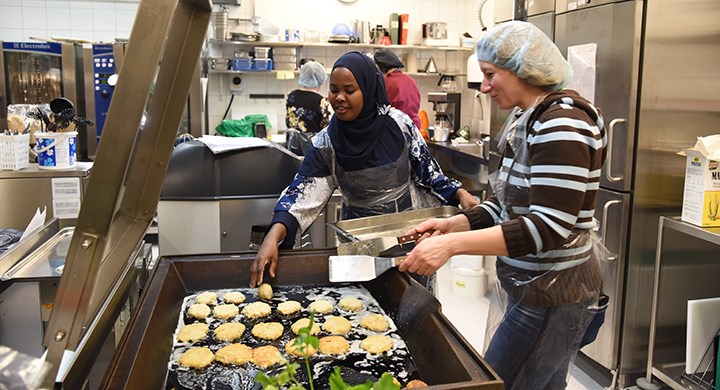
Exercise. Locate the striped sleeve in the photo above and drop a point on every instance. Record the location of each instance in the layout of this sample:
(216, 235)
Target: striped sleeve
(484, 215)
(566, 154)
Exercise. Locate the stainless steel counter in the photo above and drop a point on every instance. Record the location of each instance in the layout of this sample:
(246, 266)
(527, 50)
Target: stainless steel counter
(22, 192)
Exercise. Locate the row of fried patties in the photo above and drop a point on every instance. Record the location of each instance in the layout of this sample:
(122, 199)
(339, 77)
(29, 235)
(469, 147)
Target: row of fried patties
(264, 357)
(201, 308)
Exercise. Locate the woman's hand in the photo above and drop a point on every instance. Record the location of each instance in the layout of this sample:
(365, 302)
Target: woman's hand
(438, 226)
(428, 255)
(467, 201)
(268, 254)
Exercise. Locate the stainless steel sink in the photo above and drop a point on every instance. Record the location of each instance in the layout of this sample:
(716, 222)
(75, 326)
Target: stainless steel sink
(476, 148)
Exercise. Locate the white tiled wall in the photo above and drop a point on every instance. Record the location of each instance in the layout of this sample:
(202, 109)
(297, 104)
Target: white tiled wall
(91, 20)
(107, 20)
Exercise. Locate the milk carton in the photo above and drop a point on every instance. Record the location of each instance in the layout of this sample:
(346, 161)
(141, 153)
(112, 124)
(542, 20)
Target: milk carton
(701, 197)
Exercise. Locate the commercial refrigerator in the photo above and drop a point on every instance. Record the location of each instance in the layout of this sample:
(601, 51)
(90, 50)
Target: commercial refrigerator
(652, 65)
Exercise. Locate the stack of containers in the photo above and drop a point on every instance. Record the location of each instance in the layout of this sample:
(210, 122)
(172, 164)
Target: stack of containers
(285, 58)
(262, 59)
(240, 61)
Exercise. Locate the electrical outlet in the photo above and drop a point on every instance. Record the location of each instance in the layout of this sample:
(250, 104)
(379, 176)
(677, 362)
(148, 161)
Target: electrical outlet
(236, 85)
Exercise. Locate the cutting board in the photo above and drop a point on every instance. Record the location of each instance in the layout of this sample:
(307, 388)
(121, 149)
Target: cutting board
(703, 321)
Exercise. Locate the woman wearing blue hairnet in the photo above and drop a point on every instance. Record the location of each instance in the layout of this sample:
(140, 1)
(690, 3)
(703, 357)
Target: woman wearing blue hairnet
(372, 153)
(306, 109)
(539, 221)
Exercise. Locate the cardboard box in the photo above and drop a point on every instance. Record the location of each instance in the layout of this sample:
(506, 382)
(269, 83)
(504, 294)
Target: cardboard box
(701, 197)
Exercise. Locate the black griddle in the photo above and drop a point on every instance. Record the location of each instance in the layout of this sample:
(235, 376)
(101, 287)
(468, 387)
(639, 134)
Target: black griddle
(441, 356)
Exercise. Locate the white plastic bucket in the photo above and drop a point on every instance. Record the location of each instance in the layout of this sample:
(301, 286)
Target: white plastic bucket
(56, 151)
(468, 276)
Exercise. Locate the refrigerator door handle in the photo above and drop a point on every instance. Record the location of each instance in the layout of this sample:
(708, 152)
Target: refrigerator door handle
(603, 231)
(610, 134)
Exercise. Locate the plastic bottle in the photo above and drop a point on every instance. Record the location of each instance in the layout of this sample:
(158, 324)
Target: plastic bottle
(424, 122)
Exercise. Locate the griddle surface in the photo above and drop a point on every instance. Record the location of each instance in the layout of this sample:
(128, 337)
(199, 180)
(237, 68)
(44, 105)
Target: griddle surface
(356, 366)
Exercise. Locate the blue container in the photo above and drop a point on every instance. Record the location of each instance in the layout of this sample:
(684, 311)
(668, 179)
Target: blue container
(241, 63)
(262, 64)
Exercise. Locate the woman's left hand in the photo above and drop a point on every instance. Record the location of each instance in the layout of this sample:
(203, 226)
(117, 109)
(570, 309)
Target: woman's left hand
(467, 201)
(428, 256)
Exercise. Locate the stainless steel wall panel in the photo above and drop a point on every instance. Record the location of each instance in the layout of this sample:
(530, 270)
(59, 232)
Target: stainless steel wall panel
(615, 29)
(537, 7)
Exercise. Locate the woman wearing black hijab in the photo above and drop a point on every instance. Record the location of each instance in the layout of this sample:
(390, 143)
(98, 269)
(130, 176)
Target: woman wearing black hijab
(372, 153)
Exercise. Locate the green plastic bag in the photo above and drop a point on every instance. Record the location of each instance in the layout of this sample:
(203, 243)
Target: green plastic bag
(244, 127)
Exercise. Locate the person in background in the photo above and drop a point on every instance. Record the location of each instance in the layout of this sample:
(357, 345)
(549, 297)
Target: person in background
(539, 221)
(370, 152)
(307, 109)
(402, 90)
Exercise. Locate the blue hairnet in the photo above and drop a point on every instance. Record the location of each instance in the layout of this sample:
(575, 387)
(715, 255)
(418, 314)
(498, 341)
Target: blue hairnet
(525, 50)
(312, 75)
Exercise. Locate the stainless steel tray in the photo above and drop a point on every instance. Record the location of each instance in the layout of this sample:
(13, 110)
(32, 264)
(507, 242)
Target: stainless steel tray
(390, 225)
(45, 262)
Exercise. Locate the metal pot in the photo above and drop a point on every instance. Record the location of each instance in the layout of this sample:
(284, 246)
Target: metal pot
(438, 134)
(435, 30)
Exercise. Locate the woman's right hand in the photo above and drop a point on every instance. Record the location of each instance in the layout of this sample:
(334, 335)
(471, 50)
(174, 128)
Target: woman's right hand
(437, 226)
(267, 254)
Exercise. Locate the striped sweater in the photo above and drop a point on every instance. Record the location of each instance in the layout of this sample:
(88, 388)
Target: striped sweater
(553, 200)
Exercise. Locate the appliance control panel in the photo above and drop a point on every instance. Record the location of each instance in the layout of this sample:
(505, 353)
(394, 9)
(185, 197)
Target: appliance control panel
(104, 80)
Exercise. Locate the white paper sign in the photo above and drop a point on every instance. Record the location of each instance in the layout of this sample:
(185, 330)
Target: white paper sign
(66, 194)
(582, 62)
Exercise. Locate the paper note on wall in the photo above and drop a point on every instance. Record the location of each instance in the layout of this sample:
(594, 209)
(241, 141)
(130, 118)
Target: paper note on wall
(285, 75)
(66, 196)
(582, 62)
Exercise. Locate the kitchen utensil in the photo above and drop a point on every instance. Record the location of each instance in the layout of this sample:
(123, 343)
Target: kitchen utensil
(447, 83)
(359, 268)
(377, 245)
(220, 24)
(435, 30)
(339, 38)
(430, 67)
(243, 37)
(441, 131)
(703, 320)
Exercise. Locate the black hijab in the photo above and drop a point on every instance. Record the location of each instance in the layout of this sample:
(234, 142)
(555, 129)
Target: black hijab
(355, 141)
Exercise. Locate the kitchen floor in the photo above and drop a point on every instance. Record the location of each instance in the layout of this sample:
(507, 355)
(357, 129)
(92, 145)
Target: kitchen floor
(469, 316)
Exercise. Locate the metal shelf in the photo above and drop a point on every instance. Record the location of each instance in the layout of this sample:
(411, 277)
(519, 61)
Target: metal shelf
(338, 45)
(671, 374)
(274, 72)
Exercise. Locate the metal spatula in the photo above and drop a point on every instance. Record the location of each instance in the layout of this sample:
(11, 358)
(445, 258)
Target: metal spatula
(360, 268)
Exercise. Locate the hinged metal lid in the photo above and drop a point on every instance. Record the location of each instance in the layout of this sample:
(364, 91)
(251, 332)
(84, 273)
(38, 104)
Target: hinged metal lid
(123, 191)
